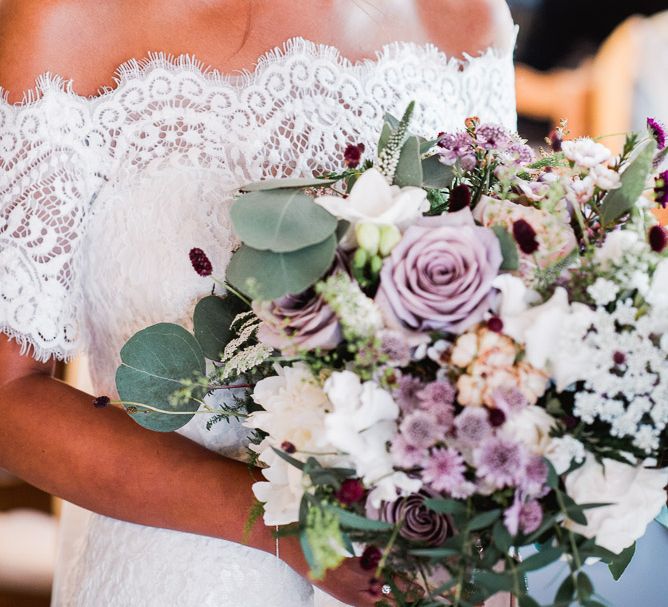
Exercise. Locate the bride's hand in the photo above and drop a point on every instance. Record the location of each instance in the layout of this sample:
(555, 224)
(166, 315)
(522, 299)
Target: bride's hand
(353, 586)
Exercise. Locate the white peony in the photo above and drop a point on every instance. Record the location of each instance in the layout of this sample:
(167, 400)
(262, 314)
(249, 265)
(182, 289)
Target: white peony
(658, 291)
(615, 246)
(636, 492)
(373, 200)
(585, 152)
(563, 451)
(530, 426)
(605, 178)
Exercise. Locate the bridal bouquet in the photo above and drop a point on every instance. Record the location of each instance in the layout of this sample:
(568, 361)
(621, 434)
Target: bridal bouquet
(445, 352)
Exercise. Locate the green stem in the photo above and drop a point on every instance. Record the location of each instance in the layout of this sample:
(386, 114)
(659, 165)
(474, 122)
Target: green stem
(125, 403)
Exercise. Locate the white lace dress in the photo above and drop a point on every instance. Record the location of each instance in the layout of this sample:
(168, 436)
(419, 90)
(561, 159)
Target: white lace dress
(102, 198)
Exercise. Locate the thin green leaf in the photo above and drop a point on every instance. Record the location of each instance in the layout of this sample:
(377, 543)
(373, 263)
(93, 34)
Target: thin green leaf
(502, 537)
(483, 520)
(511, 256)
(444, 506)
(526, 601)
(541, 559)
(565, 592)
(619, 565)
(494, 582)
(288, 458)
(584, 586)
(355, 521)
(281, 184)
(434, 553)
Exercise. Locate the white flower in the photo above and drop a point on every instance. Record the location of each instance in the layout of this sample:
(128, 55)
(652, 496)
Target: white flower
(658, 291)
(580, 191)
(465, 350)
(615, 246)
(637, 495)
(585, 152)
(603, 291)
(373, 200)
(605, 178)
(530, 426)
(563, 451)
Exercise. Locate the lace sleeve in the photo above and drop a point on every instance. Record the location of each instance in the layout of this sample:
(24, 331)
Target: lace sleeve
(44, 187)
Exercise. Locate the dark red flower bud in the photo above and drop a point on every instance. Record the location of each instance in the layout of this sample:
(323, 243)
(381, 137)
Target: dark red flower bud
(496, 417)
(555, 140)
(351, 491)
(288, 447)
(570, 422)
(495, 324)
(658, 238)
(200, 262)
(619, 358)
(370, 558)
(101, 402)
(352, 155)
(460, 198)
(525, 236)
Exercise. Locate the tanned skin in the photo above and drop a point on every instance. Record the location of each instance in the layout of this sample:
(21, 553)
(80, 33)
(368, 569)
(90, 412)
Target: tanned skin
(50, 434)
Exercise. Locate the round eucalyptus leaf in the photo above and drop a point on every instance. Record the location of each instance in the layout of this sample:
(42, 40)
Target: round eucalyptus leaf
(409, 169)
(280, 220)
(265, 275)
(212, 319)
(153, 363)
(280, 184)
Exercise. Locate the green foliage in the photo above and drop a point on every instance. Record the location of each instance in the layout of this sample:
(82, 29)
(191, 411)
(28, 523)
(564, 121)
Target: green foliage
(511, 256)
(436, 175)
(281, 184)
(621, 201)
(541, 559)
(351, 520)
(484, 520)
(255, 513)
(266, 275)
(154, 361)
(212, 323)
(281, 221)
(409, 169)
(621, 562)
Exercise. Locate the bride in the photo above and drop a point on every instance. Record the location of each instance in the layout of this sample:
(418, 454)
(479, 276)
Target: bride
(110, 175)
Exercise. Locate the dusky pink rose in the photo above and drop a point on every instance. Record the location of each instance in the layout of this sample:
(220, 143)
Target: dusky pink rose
(439, 277)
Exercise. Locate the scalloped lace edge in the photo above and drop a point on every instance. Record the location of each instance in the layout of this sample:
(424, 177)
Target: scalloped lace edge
(137, 69)
(29, 345)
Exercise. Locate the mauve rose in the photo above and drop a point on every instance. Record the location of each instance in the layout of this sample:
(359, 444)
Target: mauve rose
(439, 277)
(420, 524)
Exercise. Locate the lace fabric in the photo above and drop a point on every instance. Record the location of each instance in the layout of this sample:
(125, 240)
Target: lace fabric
(102, 198)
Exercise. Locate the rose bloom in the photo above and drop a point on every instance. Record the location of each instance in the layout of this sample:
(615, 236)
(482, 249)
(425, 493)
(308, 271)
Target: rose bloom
(439, 277)
(636, 493)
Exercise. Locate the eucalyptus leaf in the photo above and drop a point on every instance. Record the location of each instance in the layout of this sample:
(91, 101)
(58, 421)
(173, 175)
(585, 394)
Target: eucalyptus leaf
(526, 601)
(212, 319)
(494, 582)
(541, 559)
(584, 585)
(435, 174)
(501, 537)
(265, 275)
(620, 201)
(280, 220)
(154, 362)
(288, 458)
(409, 169)
(281, 184)
(511, 256)
(427, 144)
(356, 521)
(444, 506)
(483, 520)
(434, 553)
(565, 592)
(619, 565)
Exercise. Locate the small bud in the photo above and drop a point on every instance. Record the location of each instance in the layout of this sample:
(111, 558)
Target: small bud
(370, 558)
(375, 265)
(460, 198)
(101, 402)
(390, 236)
(200, 262)
(351, 491)
(288, 447)
(525, 236)
(555, 139)
(352, 155)
(368, 237)
(360, 259)
(495, 324)
(619, 358)
(496, 417)
(472, 122)
(658, 238)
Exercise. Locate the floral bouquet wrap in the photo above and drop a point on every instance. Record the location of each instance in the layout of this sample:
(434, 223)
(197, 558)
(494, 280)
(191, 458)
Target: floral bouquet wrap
(445, 352)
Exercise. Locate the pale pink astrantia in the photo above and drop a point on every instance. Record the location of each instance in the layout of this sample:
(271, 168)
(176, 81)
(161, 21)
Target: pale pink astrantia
(472, 426)
(534, 480)
(438, 399)
(500, 462)
(420, 429)
(444, 470)
(509, 400)
(404, 454)
(405, 392)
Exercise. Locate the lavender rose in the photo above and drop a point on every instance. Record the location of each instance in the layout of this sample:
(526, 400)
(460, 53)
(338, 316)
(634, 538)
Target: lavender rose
(420, 524)
(439, 277)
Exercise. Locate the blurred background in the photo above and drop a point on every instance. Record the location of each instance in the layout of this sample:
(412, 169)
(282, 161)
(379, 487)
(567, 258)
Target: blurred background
(603, 64)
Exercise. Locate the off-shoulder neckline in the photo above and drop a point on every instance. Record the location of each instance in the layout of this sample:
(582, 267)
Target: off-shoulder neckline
(138, 69)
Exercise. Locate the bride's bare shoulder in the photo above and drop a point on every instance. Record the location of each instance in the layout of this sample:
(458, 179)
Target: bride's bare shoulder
(472, 26)
(86, 40)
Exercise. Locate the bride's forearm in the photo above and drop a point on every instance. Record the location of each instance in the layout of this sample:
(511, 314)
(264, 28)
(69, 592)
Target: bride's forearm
(53, 437)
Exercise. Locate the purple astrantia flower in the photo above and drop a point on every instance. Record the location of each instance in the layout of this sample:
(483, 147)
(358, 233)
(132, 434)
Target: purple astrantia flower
(438, 398)
(420, 524)
(534, 480)
(405, 393)
(520, 154)
(439, 277)
(472, 426)
(404, 454)
(493, 137)
(658, 132)
(393, 345)
(509, 400)
(444, 470)
(500, 462)
(420, 429)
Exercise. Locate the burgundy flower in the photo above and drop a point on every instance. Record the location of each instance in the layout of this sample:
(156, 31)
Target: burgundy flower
(288, 447)
(555, 138)
(439, 277)
(658, 238)
(496, 417)
(525, 236)
(419, 523)
(370, 558)
(495, 324)
(200, 262)
(661, 189)
(460, 198)
(658, 132)
(101, 402)
(351, 491)
(352, 155)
